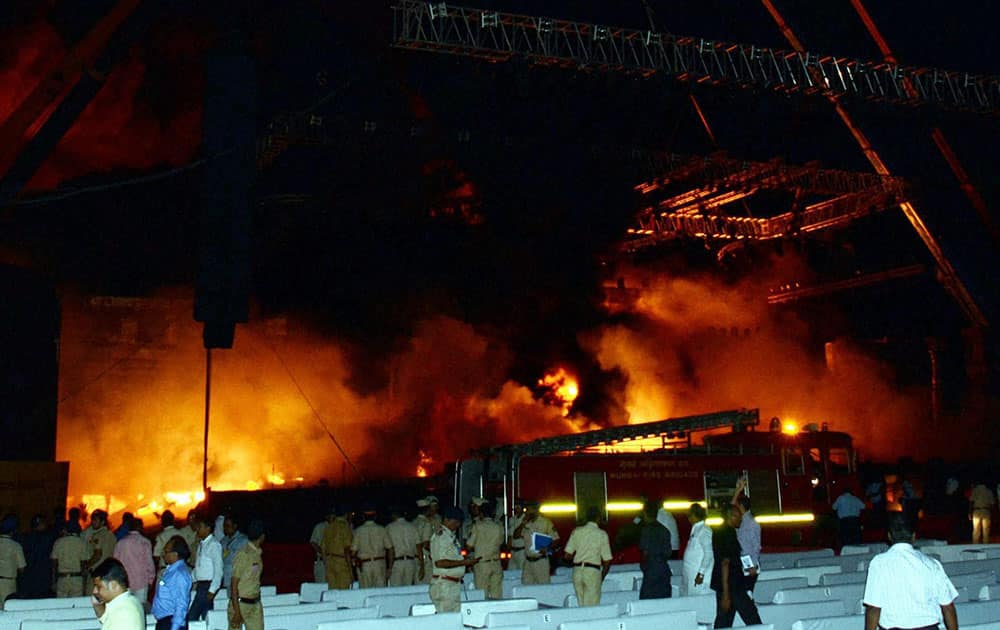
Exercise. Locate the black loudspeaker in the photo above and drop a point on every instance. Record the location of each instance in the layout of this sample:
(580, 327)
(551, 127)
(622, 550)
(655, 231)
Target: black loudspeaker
(222, 296)
(29, 366)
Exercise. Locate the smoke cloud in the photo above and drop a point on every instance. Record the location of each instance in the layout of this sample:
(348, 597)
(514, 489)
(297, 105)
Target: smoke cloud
(696, 344)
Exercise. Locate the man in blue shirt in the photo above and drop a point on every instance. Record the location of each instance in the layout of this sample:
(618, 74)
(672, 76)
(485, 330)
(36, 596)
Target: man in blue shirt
(848, 508)
(173, 591)
(232, 541)
(748, 534)
(125, 527)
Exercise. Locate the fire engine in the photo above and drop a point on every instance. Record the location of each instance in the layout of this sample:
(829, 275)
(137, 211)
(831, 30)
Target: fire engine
(791, 475)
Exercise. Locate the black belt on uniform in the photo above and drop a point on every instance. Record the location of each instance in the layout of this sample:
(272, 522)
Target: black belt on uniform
(77, 574)
(371, 559)
(488, 559)
(406, 558)
(587, 564)
(447, 577)
(535, 559)
(4, 577)
(201, 582)
(521, 548)
(249, 600)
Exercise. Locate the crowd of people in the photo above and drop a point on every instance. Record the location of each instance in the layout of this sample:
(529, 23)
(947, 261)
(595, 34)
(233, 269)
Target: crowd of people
(438, 546)
(184, 567)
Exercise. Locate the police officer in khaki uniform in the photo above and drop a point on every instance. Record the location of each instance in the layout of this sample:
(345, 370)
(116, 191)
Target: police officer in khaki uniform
(427, 525)
(102, 539)
(370, 546)
(536, 562)
(484, 544)
(475, 514)
(244, 592)
(449, 565)
(516, 543)
(336, 545)
(589, 549)
(12, 561)
(69, 558)
(404, 538)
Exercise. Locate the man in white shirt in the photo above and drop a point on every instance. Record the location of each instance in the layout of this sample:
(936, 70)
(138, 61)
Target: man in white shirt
(113, 604)
(667, 520)
(316, 541)
(907, 589)
(699, 560)
(208, 572)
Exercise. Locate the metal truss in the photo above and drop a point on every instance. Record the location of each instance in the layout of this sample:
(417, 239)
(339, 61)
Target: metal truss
(832, 213)
(721, 171)
(697, 212)
(496, 36)
(795, 292)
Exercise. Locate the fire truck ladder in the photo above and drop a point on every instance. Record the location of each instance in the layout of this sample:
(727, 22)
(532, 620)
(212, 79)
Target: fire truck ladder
(738, 419)
(497, 36)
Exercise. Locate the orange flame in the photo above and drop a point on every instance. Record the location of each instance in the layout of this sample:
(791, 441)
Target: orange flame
(561, 388)
(425, 462)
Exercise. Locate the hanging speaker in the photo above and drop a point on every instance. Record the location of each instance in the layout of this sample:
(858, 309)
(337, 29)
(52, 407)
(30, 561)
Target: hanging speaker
(222, 296)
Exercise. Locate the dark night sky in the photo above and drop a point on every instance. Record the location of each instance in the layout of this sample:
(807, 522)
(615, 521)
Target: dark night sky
(361, 256)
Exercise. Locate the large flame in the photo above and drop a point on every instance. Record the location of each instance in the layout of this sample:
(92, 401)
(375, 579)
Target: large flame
(561, 388)
(132, 381)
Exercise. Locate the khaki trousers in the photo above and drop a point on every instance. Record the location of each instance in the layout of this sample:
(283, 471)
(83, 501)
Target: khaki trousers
(69, 587)
(489, 577)
(372, 574)
(338, 573)
(587, 583)
(536, 572)
(446, 595)
(253, 616)
(516, 559)
(404, 573)
(981, 525)
(8, 586)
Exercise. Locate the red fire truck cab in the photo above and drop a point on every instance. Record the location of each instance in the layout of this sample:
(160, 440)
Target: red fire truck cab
(791, 475)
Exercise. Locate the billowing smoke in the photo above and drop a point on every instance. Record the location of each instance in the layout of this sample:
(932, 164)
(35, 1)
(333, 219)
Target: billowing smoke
(695, 344)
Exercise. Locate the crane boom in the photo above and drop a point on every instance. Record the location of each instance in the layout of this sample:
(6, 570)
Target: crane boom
(497, 36)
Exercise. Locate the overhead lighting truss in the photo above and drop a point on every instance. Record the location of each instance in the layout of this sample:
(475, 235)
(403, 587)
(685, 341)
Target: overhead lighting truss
(710, 184)
(495, 36)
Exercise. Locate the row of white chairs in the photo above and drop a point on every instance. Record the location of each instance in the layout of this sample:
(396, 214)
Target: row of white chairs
(804, 591)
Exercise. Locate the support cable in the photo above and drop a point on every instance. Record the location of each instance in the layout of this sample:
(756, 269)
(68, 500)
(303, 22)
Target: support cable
(949, 276)
(316, 414)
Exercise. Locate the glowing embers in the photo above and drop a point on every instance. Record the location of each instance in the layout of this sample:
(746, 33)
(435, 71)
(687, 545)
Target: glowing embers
(559, 388)
(425, 461)
(179, 502)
